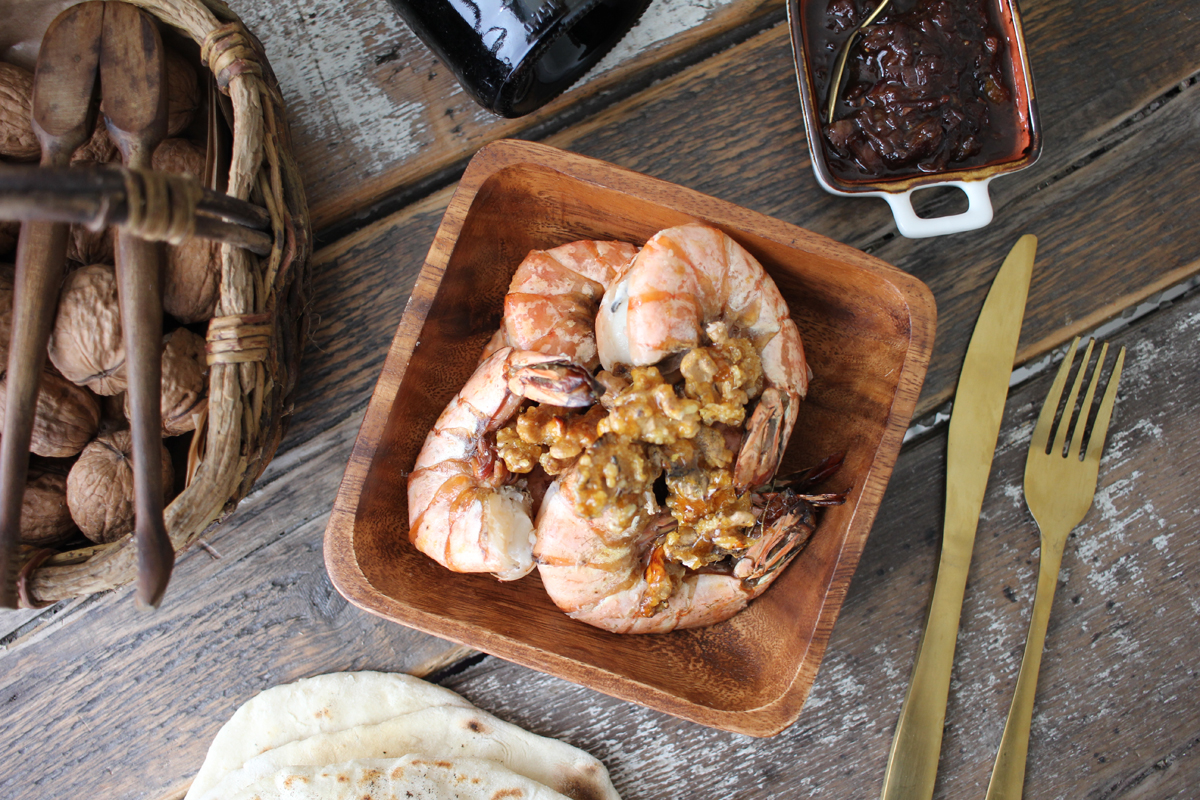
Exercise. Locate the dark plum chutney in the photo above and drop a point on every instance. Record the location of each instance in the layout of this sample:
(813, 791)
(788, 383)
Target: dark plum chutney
(927, 88)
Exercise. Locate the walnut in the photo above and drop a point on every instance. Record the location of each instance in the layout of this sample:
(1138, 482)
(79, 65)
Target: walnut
(86, 246)
(183, 382)
(66, 418)
(192, 278)
(100, 149)
(86, 344)
(17, 139)
(183, 92)
(179, 156)
(45, 518)
(100, 487)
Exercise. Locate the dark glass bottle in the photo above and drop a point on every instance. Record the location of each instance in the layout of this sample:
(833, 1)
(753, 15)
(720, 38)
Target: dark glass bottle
(513, 56)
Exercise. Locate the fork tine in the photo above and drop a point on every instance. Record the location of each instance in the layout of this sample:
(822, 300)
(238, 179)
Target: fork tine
(1041, 432)
(1085, 409)
(1064, 425)
(1100, 428)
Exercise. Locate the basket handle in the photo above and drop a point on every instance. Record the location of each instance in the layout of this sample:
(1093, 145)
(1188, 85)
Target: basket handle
(112, 195)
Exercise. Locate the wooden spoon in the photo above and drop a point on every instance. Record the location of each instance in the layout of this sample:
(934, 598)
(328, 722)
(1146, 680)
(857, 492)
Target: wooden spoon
(64, 88)
(133, 87)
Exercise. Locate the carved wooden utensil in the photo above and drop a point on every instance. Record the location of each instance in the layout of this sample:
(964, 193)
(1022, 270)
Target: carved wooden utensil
(133, 85)
(64, 90)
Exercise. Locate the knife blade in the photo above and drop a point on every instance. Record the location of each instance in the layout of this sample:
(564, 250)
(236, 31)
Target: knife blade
(974, 427)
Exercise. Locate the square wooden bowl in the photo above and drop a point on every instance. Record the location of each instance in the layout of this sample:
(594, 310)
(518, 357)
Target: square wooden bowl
(867, 328)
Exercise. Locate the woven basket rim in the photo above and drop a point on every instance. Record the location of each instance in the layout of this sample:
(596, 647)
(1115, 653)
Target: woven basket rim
(261, 321)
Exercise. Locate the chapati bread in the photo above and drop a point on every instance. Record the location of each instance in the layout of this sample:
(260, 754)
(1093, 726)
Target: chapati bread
(323, 704)
(437, 732)
(409, 778)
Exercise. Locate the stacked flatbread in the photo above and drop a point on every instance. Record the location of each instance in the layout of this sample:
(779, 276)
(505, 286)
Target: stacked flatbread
(379, 735)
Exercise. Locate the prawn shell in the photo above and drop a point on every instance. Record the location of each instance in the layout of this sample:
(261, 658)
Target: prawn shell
(457, 529)
(554, 295)
(685, 278)
(460, 512)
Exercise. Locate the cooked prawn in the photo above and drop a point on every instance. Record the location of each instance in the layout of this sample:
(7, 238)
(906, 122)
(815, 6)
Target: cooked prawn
(554, 295)
(695, 332)
(685, 279)
(466, 511)
(613, 574)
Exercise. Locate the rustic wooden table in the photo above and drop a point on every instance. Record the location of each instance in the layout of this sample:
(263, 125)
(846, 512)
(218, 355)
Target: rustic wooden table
(98, 699)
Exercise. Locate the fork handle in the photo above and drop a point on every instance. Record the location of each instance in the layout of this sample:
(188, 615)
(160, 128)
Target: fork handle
(1008, 773)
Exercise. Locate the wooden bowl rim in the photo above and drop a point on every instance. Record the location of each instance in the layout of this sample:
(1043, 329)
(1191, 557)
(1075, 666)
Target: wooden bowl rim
(341, 562)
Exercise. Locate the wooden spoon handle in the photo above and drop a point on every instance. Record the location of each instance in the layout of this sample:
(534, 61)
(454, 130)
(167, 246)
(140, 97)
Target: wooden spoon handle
(132, 79)
(41, 254)
(138, 284)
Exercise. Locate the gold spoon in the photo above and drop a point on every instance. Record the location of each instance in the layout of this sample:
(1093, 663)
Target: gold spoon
(839, 67)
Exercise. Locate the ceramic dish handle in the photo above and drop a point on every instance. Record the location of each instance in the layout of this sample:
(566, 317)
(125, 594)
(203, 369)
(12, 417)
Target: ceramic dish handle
(978, 213)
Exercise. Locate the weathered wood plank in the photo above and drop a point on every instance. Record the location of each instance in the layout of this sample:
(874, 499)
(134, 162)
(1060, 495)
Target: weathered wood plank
(1124, 621)
(1114, 716)
(371, 109)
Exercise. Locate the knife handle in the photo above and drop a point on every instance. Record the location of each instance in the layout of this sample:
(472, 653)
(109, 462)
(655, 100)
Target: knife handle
(916, 747)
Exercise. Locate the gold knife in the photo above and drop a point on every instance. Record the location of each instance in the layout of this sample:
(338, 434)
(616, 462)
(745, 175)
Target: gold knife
(974, 428)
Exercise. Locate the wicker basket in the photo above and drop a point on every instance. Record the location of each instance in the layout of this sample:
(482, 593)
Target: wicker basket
(255, 341)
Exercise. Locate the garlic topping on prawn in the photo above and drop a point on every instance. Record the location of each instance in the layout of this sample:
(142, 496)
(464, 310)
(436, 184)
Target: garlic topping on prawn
(609, 573)
(464, 510)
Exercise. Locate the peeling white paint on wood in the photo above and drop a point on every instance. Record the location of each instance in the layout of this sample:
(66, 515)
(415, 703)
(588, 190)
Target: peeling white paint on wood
(364, 92)
(662, 20)
(323, 53)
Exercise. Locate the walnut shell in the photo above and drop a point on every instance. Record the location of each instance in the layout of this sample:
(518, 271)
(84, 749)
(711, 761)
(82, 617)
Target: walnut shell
(17, 139)
(179, 156)
(100, 149)
(183, 92)
(184, 382)
(66, 417)
(86, 344)
(100, 487)
(86, 246)
(192, 279)
(45, 518)
(83, 245)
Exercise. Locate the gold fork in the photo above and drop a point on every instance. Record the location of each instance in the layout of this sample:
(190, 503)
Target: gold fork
(1059, 491)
